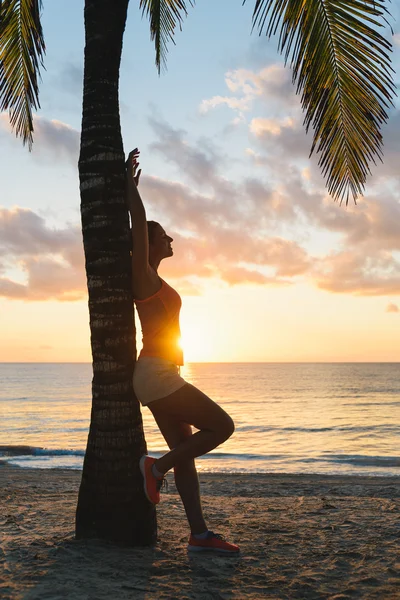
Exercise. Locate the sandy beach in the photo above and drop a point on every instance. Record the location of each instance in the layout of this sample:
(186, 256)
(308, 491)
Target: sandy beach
(301, 536)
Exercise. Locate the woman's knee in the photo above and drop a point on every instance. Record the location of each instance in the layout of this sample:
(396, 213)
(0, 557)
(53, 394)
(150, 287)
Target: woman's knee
(227, 428)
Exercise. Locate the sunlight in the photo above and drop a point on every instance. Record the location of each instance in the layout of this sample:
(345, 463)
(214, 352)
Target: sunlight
(195, 344)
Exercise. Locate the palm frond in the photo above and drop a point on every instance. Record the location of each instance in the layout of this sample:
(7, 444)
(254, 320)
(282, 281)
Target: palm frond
(164, 16)
(21, 50)
(342, 67)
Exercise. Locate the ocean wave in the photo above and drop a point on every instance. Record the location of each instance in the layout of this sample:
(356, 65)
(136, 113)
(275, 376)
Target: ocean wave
(357, 404)
(231, 456)
(14, 399)
(33, 451)
(359, 460)
(19, 451)
(253, 428)
(384, 428)
(371, 429)
(29, 456)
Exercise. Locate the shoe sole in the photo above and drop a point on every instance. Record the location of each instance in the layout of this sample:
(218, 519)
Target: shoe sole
(205, 549)
(143, 471)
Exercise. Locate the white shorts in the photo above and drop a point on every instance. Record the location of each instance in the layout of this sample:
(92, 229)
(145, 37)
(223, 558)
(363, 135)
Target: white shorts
(155, 378)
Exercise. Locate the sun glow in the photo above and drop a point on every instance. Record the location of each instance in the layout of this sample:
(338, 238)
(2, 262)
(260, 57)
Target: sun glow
(195, 344)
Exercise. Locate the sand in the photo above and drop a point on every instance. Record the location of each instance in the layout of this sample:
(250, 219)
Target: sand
(304, 536)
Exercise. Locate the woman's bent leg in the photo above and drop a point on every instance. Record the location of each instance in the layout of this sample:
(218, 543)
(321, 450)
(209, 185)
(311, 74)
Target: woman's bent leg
(190, 405)
(186, 480)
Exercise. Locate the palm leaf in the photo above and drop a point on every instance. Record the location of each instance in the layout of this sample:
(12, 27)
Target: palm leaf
(341, 64)
(164, 16)
(21, 50)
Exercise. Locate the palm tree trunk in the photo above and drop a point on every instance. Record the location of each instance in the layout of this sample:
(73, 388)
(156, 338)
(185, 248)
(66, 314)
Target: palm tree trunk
(111, 501)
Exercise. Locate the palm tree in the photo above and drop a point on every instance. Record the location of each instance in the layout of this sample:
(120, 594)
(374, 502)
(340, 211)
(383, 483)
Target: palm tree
(111, 503)
(342, 67)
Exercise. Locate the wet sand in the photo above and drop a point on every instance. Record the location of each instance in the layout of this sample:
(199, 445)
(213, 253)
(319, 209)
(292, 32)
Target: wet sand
(303, 536)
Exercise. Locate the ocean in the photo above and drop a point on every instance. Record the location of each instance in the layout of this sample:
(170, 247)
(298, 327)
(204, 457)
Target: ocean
(329, 418)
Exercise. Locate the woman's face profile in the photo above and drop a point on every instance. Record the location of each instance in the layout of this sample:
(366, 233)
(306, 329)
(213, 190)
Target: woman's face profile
(161, 242)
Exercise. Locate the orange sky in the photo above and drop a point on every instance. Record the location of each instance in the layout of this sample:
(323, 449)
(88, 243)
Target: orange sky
(223, 324)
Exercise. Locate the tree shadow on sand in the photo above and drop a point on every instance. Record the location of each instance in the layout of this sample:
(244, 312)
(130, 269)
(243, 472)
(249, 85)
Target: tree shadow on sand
(96, 570)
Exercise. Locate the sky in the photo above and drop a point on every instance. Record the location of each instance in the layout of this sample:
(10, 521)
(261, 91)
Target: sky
(269, 267)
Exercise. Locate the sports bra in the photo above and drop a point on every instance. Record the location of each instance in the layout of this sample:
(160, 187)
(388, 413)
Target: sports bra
(159, 318)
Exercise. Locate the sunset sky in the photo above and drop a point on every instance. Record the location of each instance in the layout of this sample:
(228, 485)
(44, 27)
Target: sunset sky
(268, 266)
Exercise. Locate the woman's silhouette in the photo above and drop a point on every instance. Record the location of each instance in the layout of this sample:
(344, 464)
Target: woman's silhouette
(176, 405)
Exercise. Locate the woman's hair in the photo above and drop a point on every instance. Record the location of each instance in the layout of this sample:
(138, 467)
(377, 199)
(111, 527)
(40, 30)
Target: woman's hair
(151, 228)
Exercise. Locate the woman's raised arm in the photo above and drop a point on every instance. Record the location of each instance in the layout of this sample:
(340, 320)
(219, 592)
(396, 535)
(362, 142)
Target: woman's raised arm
(140, 241)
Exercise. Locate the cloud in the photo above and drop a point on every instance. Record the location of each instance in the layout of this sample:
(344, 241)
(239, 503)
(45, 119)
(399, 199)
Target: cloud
(378, 223)
(278, 129)
(11, 289)
(242, 229)
(199, 164)
(239, 104)
(272, 207)
(270, 127)
(360, 275)
(222, 231)
(281, 140)
(51, 260)
(391, 150)
(52, 263)
(52, 138)
(23, 232)
(392, 308)
(211, 239)
(373, 225)
(270, 84)
(57, 139)
(238, 229)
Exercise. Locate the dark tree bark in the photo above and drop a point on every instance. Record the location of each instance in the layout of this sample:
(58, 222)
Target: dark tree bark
(111, 503)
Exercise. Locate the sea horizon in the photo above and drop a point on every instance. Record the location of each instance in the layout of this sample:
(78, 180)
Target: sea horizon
(222, 362)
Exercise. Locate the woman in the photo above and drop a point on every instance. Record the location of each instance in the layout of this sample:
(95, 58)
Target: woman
(176, 405)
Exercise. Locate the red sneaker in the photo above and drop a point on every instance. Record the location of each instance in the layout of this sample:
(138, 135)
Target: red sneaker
(151, 484)
(213, 542)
